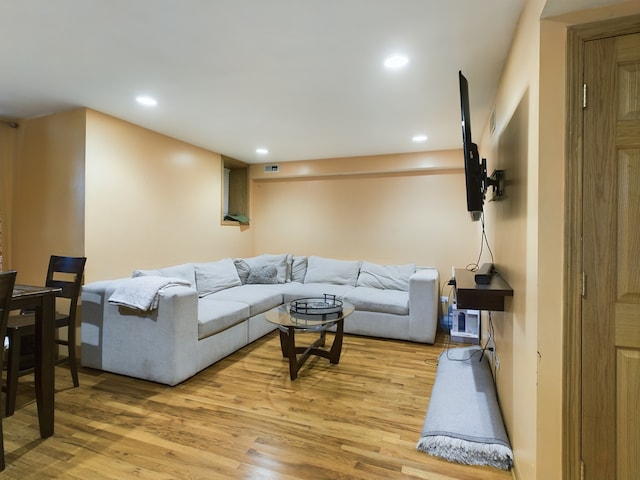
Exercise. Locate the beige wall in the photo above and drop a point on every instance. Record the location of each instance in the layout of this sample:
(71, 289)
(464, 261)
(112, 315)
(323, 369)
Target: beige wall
(85, 183)
(515, 224)
(8, 140)
(47, 193)
(529, 144)
(152, 201)
(513, 147)
(388, 209)
(551, 269)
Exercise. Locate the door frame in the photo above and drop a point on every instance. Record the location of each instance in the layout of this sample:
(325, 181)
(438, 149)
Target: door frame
(572, 411)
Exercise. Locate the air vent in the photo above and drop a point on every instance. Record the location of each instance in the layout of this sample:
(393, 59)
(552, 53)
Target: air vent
(271, 168)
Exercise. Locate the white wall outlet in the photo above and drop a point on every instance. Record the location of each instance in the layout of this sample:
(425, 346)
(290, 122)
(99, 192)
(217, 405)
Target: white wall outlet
(444, 299)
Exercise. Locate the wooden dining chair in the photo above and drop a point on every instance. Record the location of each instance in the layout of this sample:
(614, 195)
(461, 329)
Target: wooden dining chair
(64, 273)
(7, 281)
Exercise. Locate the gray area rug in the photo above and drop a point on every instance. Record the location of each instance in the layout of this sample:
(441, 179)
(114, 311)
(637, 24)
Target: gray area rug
(464, 423)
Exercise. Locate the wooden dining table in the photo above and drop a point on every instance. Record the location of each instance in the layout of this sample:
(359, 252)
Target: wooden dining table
(42, 301)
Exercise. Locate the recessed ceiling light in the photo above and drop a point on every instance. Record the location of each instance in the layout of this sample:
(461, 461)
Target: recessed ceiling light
(146, 101)
(419, 138)
(396, 61)
(262, 151)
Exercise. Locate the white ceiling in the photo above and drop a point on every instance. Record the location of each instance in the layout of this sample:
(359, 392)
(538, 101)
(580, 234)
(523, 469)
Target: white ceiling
(303, 78)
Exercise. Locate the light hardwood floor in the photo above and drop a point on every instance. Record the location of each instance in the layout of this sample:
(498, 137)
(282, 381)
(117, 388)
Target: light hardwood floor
(243, 418)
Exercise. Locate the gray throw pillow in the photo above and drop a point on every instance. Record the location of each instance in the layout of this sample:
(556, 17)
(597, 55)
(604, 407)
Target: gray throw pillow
(279, 261)
(267, 274)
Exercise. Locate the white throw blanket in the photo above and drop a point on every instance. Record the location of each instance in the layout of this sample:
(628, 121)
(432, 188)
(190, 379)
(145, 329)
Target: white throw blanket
(142, 293)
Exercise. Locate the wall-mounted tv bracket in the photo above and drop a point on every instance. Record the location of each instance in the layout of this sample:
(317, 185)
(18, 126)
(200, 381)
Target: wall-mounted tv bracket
(496, 181)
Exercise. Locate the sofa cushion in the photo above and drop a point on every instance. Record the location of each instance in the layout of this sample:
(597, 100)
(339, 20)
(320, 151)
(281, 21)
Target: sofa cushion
(385, 277)
(259, 298)
(376, 300)
(184, 271)
(245, 265)
(215, 315)
(328, 270)
(212, 277)
(296, 291)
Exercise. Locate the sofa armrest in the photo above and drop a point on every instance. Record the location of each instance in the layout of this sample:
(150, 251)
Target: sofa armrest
(159, 345)
(423, 305)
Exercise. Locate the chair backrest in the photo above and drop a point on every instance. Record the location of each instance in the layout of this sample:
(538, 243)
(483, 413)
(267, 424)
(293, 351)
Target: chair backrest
(7, 282)
(66, 273)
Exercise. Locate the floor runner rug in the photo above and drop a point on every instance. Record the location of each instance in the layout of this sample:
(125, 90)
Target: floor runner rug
(463, 422)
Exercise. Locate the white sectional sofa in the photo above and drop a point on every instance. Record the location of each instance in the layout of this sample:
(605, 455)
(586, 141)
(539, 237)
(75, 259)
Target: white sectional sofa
(209, 310)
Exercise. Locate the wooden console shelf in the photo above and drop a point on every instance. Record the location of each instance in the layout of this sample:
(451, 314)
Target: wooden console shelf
(470, 295)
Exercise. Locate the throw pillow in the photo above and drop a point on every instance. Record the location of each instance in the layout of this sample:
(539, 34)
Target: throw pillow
(215, 276)
(279, 261)
(266, 274)
(385, 277)
(328, 270)
(289, 266)
(298, 269)
(243, 269)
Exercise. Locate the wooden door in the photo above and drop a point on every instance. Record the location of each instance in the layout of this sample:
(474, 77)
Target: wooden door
(611, 260)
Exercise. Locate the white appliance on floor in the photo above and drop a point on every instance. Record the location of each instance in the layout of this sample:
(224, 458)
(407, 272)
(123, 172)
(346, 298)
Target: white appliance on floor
(465, 325)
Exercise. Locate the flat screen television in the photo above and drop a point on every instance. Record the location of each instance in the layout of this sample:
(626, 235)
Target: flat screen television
(475, 170)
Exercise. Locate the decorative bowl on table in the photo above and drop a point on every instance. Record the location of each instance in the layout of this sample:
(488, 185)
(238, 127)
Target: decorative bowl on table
(323, 308)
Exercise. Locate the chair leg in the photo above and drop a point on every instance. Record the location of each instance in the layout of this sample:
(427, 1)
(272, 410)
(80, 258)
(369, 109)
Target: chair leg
(13, 365)
(71, 346)
(1, 447)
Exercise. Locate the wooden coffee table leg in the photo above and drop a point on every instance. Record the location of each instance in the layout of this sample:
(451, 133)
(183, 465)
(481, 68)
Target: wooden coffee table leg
(284, 343)
(336, 348)
(291, 351)
(288, 347)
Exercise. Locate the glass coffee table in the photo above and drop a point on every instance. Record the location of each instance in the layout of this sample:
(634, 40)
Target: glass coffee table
(310, 315)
